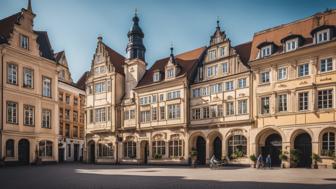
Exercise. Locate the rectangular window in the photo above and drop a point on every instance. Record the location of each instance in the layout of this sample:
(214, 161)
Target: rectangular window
(154, 113)
(132, 114)
(75, 101)
(162, 113)
(67, 99)
(75, 131)
(204, 91)
(29, 115)
(12, 109)
(174, 111)
(161, 97)
(28, 78)
(60, 96)
(222, 51)
(24, 42)
(145, 116)
(46, 85)
(242, 107)
(126, 115)
(264, 105)
(303, 101)
(75, 116)
(212, 71)
(225, 67)
(265, 51)
(173, 95)
(46, 118)
(229, 108)
(282, 73)
(67, 114)
(325, 99)
(265, 77)
(282, 103)
(100, 114)
(291, 45)
(229, 86)
(206, 112)
(242, 83)
(154, 99)
(322, 36)
(67, 130)
(196, 92)
(217, 88)
(326, 65)
(171, 73)
(100, 87)
(12, 71)
(156, 76)
(303, 70)
(196, 113)
(212, 55)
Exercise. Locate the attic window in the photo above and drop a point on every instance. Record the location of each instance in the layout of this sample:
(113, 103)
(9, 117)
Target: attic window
(156, 77)
(266, 51)
(170, 73)
(291, 44)
(323, 36)
(24, 42)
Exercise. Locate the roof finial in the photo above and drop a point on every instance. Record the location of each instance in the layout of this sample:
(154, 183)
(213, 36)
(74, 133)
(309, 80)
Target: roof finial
(171, 49)
(217, 21)
(29, 8)
(100, 37)
(136, 12)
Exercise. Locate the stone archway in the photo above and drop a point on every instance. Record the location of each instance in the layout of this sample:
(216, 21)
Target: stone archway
(24, 151)
(269, 142)
(303, 145)
(91, 152)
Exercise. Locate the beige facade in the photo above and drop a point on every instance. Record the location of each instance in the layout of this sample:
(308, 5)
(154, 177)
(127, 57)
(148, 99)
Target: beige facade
(29, 126)
(294, 89)
(71, 102)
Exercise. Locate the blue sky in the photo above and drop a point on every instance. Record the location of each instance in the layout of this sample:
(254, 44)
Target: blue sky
(73, 25)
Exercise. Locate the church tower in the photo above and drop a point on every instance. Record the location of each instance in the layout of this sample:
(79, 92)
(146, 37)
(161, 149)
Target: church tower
(135, 65)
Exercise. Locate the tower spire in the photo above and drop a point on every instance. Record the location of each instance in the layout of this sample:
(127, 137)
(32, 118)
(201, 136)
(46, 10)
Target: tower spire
(29, 7)
(135, 47)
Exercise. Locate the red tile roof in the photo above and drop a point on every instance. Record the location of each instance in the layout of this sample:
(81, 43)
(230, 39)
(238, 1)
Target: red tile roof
(116, 59)
(81, 81)
(301, 27)
(244, 52)
(187, 62)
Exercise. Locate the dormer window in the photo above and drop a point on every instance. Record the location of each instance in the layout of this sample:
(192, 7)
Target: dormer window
(212, 55)
(323, 36)
(291, 44)
(24, 42)
(265, 51)
(170, 73)
(156, 77)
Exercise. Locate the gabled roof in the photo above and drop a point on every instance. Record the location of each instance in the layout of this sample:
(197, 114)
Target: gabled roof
(81, 81)
(58, 56)
(7, 26)
(302, 27)
(44, 45)
(187, 62)
(116, 59)
(244, 52)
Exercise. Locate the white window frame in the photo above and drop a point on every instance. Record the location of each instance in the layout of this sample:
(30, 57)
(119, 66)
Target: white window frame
(326, 65)
(242, 107)
(282, 103)
(24, 42)
(242, 83)
(282, 73)
(28, 78)
(212, 55)
(323, 36)
(229, 86)
(28, 115)
(292, 44)
(156, 77)
(12, 112)
(303, 101)
(100, 115)
(303, 70)
(46, 86)
(46, 118)
(266, 51)
(263, 78)
(12, 74)
(174, 111)
(225, 68)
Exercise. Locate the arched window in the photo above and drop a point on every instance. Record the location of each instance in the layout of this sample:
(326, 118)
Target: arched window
(158, 149)
(130, 149)
(10, 148)
(237, 146)
(45, 148)
(105, 150)
(328, 144)
(176, 148)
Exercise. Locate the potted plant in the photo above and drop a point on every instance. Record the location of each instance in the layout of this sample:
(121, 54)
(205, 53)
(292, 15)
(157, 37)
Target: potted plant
(316, 158)
(253, 158)
(193, 155)
(283, 157)
(294, 157)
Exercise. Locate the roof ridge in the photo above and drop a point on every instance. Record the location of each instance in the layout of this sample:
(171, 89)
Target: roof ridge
(112, 49)
(8, 17)
(293, 22)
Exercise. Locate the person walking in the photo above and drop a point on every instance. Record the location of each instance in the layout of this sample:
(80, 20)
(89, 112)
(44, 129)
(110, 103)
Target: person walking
(269, 161)
(259, 161)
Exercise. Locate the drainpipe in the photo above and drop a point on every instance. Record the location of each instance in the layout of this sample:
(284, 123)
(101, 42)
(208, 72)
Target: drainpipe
(1, 108)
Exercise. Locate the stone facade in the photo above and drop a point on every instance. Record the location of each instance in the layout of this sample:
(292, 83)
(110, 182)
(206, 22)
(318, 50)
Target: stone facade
(29, 127)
